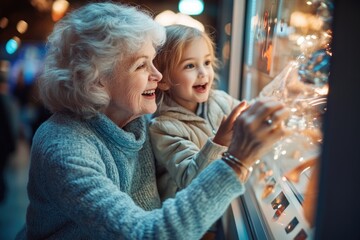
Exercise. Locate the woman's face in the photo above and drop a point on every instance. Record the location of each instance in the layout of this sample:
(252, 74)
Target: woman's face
(132, 91)
(193, 76)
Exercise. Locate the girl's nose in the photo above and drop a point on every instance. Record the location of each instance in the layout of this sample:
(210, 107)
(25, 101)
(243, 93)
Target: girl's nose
(202, 72)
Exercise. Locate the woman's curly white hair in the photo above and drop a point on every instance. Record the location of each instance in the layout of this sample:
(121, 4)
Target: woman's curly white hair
(85, 48)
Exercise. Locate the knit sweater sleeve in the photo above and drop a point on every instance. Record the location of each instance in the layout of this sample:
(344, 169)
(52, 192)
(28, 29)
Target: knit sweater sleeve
(199, 205)
(102, 211)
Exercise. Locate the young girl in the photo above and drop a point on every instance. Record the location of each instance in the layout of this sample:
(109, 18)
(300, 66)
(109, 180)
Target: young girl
(193, 123)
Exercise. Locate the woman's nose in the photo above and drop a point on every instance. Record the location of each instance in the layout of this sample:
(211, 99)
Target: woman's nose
(155, 75)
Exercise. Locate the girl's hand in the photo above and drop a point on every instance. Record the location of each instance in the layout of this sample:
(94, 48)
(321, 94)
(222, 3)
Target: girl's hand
(224, 134)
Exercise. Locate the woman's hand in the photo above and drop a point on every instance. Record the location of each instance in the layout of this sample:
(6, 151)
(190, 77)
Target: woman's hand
(224, 134)
(256, 129)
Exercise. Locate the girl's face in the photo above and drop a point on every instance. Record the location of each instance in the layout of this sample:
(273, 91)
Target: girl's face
(193, 76)
(132, 91)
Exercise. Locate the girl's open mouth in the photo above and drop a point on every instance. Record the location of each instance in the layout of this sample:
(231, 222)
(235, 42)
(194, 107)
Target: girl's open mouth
(200, 88)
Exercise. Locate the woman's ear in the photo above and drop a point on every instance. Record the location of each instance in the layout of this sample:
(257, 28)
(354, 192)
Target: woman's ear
(163, 86)
(101, 82)
(105, 83)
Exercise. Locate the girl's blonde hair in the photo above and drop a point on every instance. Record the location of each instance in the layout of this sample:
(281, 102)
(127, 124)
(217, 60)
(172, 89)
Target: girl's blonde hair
(170, 54)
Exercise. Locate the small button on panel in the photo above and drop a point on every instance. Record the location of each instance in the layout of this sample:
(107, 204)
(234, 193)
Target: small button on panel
(292, 224)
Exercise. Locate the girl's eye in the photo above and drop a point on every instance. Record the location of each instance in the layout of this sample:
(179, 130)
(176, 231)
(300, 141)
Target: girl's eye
(207, 63)
(189, 66)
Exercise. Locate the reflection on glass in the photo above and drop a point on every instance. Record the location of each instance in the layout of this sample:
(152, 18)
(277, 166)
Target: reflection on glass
(269, 188)
(279, 204)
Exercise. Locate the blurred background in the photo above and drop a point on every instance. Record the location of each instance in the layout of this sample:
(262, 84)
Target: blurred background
(24, 27)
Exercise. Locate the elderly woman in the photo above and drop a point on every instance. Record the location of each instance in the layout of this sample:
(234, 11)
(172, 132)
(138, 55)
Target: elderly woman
(92, 173)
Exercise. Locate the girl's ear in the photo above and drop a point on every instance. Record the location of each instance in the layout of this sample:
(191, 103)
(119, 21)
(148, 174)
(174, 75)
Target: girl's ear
(163, 86)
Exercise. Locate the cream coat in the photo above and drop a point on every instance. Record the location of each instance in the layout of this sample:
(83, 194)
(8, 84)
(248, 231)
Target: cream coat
(182, 141)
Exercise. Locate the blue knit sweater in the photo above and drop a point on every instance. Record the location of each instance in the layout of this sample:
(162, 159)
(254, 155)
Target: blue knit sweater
(90, 179)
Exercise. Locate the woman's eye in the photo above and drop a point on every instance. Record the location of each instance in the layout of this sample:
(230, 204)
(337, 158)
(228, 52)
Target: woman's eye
(189, 66)
(141, 66)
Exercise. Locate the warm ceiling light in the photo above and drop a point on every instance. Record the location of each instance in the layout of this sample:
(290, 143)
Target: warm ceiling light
(41, 5)
(22, 26)
(59, 8)
(4, 22)
(168, 17)
(227, 29)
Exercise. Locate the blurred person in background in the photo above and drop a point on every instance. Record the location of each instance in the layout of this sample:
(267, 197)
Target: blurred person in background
(8, 137)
